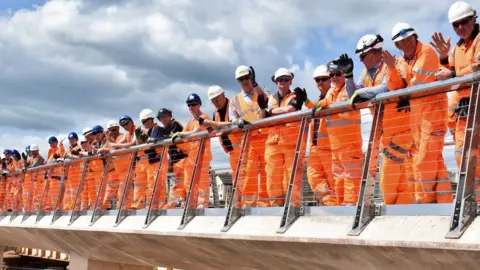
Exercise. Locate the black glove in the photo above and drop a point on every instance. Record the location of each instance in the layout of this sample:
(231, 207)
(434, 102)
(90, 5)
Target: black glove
(241, 123)
(403, 104)
(24, 156)
(356, 98)
(346, 64)
(200, 120)
(4, 164)
(461, 110)
(252, 76)
(301, 94)
(262, 102)
(55, 156)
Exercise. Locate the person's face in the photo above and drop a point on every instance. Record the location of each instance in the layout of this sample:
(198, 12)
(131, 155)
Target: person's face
(369, 59)
(245, 83)
(72, 141)
(54, 144)
(407, 45)
(194, 108)
(219, 101)
(464, 27)
(283, 83)
(34, 153)
(323, 83)
(7, 155)
(148, 123)
(127, 125)
(98, 136)
(337, 77)
(114, 131)
(165, 119)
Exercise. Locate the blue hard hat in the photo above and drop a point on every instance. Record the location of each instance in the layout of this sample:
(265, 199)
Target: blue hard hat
(194, 98)
(27, 149)
(52, 139)
(97, 129)
(7, 151)
(124, 118)
(15, 152)
(73, 135)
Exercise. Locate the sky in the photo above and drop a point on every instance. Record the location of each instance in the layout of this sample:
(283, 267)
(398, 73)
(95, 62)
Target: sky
(67, 64)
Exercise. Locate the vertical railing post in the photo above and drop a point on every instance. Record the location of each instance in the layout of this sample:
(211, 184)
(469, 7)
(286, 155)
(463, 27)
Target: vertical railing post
(97, 212)
(235, 211)
(122, 213)
(20, 182)
(190, 210)
(293, 207)
(58, 207)
(464, 207)
(214, 188)
(153, 213)
(78, 197)
(366, 204)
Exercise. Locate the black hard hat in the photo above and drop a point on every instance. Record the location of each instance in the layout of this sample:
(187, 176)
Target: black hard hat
(164, 111)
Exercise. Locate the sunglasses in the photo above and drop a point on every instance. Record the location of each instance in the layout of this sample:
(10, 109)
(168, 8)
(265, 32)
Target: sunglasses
(113, 129)
(124, 123)
(363, 55)
(462, 22)
(336, 74)
(322, 79)
(145, 120)
(280, 80)
(241, 79)
(191, 105)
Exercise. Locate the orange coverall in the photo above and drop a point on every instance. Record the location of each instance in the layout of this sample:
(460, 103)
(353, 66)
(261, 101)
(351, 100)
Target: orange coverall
(428, 124)
(54, 177)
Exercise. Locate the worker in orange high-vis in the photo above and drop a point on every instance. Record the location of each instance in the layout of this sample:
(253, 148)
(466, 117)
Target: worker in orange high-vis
(38, 177)
(25, 182)
(72, 184)
(319, 167)
(152, 133)
(122, 162)
(191, 148)
(177, 157)
(344, 134)
(282, 139)
(56, 151)
(231, 142)
(17, 179)
(244, 107)
(464, 59)
(396, 176)
(9, 165)
(428, 117)
(114, 135)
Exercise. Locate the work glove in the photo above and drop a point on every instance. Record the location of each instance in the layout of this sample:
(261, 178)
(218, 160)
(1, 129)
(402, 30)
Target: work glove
(200, 120)
(346, 64)
(4, 164)
(356, 98)
(241, 123)
(262, 102)
(24, 156)
(152, 140)
(175, 136)
(55, 156)
(403, 104)
(461, 110)
(301, 94)
(252, 76)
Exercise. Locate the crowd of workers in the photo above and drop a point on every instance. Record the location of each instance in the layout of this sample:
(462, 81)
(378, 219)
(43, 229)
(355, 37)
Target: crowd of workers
(412, 139)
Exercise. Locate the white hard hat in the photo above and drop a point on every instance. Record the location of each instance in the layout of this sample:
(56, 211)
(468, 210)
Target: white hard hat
(87, 131)
(215, 91)
(241, 71)
(146, 114)
(82, 139)
(321, 71)
(34, 147)
(112, 123)
(282, 72)
(368, 42)
(460, 10)
(401, 31)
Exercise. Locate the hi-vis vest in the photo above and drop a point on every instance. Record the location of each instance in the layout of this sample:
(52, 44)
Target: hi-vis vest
(343, 128)
(393, 122)
(192, 146)
(318, 133)
(284, 133)
(249, 112)
(230, 141)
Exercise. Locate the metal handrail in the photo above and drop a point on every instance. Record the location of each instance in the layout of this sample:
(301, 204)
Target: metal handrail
(389, 97)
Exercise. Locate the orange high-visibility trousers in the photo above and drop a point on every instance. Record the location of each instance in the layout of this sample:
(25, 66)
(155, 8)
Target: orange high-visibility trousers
(39, 183)
(254, 190)
(141, 183)
(27, 193)
(161, 193)
(347, 172)
(122, 165)
(429, 125)
(111, 189)
(203, 181)
(53, 192)
(396, 176)
(3, 190)
(278, 166)
(72, 185)
(320, 175)
(17, 192)
(177, 192)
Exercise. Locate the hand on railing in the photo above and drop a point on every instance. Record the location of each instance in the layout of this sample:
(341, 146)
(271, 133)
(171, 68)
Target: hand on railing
(176, 135)
(403, 104)
(241, 123)
(461, 110)
(356, 98)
